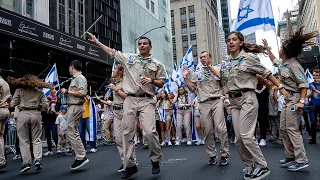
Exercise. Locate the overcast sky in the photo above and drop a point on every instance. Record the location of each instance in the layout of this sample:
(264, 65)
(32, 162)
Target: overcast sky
(277, 5)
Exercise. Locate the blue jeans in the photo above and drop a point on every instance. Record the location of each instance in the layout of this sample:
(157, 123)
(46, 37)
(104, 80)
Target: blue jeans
(314, 120)
(84, 126)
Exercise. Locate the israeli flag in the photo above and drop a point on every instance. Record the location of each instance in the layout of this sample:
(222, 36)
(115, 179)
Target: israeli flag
(113, 67)
(199, 66)
(161, 114)
(309, 77)
(52, 78)
(92, 134)
(174, 86)
(254, 15)
(186, 61)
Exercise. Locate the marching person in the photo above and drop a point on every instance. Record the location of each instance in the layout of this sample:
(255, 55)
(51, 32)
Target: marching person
(207, 86)
(30, 100)
(165, 125)
(4, 115)
(295, 83)
(142, 74)
(75, 99)
(239, 74)
(117, 106)
(183, 115)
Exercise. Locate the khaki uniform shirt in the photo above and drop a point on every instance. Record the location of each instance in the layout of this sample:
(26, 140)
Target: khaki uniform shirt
(134, 67)
(292, 75)
(117, 99)
(4, 93)
(273, 106)
(240, 73)
(207, 84)
(29, 98)
(78, 83)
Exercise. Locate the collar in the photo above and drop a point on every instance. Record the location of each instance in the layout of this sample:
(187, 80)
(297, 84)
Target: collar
(149, 57)
(288, 61)
(77, 74)
(242, 52)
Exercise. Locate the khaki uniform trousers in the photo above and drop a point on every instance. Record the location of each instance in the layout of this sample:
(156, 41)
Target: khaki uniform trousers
(244, 111)
(29, 122)
(74, 114)
(107, 126)
(183, 116)
(289, 128)
(212, 119)
(4, 115)
(142, 108)
(62, 142)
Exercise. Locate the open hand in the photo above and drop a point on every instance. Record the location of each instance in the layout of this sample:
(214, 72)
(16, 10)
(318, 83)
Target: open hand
(185, 71)
(112, 86)
(145, 80)
(92, 38)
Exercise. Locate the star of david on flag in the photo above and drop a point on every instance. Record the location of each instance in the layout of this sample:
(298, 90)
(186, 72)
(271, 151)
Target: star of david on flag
(254, 15)
(52, 78)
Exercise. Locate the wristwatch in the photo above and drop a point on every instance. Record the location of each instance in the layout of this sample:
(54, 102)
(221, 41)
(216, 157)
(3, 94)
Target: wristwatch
(301, 101)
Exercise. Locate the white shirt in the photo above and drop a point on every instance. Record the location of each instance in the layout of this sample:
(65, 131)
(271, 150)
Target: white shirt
(280, 101)
(62, 121)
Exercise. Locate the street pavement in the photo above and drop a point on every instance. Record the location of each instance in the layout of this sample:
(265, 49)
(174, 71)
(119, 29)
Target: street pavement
(179, 163)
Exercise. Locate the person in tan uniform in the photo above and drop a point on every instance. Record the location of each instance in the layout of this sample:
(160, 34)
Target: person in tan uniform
(142, 74)
(4, 115)
(75, 99)
(183, 115)
(30, 100)
(117, 106)
(295, 83)
(209, 92)
(239, 76)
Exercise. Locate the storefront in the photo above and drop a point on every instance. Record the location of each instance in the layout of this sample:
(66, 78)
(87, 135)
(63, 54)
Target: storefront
(30, 47)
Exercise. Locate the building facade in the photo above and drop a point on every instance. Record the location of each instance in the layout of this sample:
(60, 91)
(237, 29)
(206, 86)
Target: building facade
(195, 22)
(34, 9)
(150, 18)
(226, 16)
(308, 15)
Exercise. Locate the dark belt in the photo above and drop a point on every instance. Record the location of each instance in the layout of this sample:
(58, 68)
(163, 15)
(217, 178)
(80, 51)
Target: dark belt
(117, 108)
(29, 109)
(238, 93)
(184, 108)
(291, 93)
(211, 99)
(141, 95)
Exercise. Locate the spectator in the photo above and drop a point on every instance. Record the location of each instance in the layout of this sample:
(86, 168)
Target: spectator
(61, 123)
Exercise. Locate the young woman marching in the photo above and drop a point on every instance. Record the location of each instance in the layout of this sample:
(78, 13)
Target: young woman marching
(165, 104)
(239, 76)
(295, 83)
(30, 101)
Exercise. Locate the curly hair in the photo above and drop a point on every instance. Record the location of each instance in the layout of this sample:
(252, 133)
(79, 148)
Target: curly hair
(28, 81)
(248, 47)
(292, 47)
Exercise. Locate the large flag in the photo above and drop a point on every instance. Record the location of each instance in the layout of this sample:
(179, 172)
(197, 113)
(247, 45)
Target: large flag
(309, 77)
(113, 67)
(52, 78)
(92, 134)
(186, 61)
(162, 114)
(254, 15)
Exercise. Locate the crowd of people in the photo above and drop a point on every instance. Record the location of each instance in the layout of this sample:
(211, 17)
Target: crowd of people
(238, 103)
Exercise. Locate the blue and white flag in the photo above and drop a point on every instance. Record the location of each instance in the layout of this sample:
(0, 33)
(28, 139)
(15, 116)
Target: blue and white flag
(309, 77)
(113, 67)
(52, 78)
(92, 134)
(254, 15)
(199, 66)
(186, 61)
(161, 114)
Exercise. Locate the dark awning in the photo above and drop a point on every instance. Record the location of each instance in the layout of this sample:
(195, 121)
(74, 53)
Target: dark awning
(19, 26)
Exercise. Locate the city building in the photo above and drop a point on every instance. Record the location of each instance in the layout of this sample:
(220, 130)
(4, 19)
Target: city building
(226, 16)
(150, 18)
(35, 34)
(251, 38)
(195, 22)
(224, 49)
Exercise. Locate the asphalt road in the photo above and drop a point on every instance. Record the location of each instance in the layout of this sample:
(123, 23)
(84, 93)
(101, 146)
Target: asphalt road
(179, 163)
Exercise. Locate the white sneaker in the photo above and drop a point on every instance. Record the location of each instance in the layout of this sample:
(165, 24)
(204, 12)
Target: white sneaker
(198, 143)
(183, 140)
(169, 143)
(202, 142)
(163, 143)
(189, 143)
(178, 143)
(262, 142)
(138, 141)
(49, 153)
(93, 150)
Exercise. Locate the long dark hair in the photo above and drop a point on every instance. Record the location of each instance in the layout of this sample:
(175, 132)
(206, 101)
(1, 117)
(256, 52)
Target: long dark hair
(161, 99)
(185, 93)
(292, 47)
(28, 81)
(249, 47)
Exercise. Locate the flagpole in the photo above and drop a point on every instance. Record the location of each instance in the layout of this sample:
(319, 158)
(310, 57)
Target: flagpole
(91, 26)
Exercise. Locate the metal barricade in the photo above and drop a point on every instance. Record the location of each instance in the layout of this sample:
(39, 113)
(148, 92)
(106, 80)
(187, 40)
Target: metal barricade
(11, 137)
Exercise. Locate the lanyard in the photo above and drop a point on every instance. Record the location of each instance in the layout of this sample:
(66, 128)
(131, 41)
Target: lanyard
(238, 62)
(144, 61)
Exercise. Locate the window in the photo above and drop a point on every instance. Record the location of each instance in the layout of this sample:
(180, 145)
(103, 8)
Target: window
(193, 39)
(147, 4)
(185, 50)
(195, 53)
(183, 13)
(152, 7)
(185, 41)
(191, 11)
(184, 25)
(164, 2)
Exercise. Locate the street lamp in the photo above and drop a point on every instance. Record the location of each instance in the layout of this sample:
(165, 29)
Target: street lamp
(135, 41)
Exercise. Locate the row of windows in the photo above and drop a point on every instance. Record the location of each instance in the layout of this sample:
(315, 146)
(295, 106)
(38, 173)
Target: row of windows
(148, 2)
